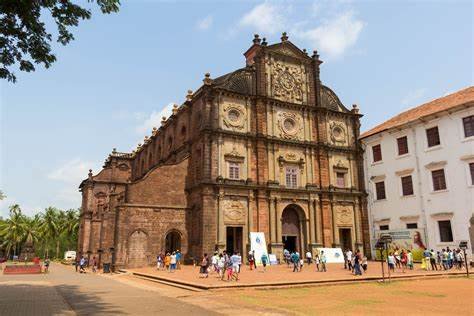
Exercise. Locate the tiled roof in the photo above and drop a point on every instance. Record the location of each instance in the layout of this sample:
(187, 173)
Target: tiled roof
(438, 105)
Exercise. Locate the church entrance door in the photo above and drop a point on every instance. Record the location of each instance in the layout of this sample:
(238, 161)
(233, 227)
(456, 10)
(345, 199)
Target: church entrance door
(173, 241)
(234, 239)
(292, 232)
(137, 247)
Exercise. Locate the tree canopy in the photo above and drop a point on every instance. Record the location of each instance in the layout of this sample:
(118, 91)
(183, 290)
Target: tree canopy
(24, 40)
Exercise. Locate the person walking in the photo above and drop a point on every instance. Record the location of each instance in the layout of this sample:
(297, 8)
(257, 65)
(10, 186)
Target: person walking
(445, 257)
(316, 261)
(295, 259)
(173, 261)
(409, 260)
(349, 260)
(178, 259)
(357, 258)
(434, 267)
(364, 264)
(391, 261)
(264, 261)
(46, 265)
(403, 260)
(250, 259)
(76, 263)
(94, 265)
(254, 260)
(82, 265)
(309, 257)
(167, 261)
(221, 266)
(323, 261)
(235, 259)
(203, 267)
(159, 261)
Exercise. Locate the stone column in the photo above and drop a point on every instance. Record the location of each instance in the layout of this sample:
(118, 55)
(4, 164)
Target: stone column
(277, 246)
(220, 222)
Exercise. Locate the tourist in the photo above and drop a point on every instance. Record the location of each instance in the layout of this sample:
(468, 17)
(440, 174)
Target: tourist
(46, 265)
(459, 259)
(322, 258)
(357, 270)
(229, 268)
(364, 264)
(396, 254)
(94, 265)
(203, 271)
(221, 266)
(344, 254)
(309, 257)
(296, 260)
(173, 261)
(433, 260)
(349, 259)
(391, 261)
(264, 261)
(159, 261)
(250, 259)
(167, 261)
(316, 261)
(444, 258)
(287, 256)
(450, 258)
(439, 260)
(301, 264)
(254, 260)
(82, 265)
(76, 263)
(178, 259)
(403, 260)
(239, 258)
(409, 260)
(235, 259)
(426, 259)
(214, 262)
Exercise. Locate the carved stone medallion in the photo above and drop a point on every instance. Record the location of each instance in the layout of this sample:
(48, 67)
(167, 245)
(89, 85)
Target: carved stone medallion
(337, 132)
(289, 124)
(234, 117)
(344, 216)
(287, 82)
(233, 211)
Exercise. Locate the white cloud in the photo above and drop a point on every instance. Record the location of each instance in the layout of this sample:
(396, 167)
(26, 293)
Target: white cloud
(154, 120)
(73, 171)
(334, 36)
(205, 23)
(413, 98)
(265, 18)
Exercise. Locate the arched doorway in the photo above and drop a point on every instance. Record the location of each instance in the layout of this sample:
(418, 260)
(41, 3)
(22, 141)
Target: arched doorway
(173, 241)
(137, 248)
(292, 228)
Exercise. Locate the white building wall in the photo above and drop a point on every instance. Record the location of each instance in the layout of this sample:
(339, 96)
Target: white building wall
(425, 206)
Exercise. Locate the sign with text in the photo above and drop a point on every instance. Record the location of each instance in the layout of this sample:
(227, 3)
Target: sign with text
(407, 239)
(333, 255)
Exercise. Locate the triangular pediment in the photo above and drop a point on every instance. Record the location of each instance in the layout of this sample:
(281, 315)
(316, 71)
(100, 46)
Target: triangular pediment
(287, 48)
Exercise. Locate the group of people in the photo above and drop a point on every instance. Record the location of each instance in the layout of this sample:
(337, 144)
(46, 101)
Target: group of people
(81, 263)
(355, 262)
(294, 258)
(223, 264)
(169, 262)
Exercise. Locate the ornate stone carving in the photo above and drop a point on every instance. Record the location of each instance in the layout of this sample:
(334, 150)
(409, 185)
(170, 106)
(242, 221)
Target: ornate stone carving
(287, 82)
(337, 132)
(340, 165)
(344, 216)
(234, 211)
(234, 155)
(290, 125)
(234, 116)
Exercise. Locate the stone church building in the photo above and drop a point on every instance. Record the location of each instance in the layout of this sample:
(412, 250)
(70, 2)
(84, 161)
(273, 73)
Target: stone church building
(265, 148)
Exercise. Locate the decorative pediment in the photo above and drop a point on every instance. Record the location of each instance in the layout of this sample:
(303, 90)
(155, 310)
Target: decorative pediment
(341, 165)
(290, 158)
(234, 155)
(330, 100)
(287, 48)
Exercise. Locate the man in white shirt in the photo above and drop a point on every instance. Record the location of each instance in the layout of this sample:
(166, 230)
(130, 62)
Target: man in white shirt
(309, 257)
(349, 259)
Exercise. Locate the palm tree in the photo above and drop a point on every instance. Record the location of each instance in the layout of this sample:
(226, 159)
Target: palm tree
(71, 225)
(12, 230)
(49, 227)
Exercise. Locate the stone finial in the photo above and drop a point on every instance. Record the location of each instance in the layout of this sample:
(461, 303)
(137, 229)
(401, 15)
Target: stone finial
(114, 150)
(189, 95)
(355, 109)
(315, 55)
(163, 120)
(90, 174)
(264, 42)
(284, 37)
(175, 108)
(256, 39)
(139, 145)
(154, 131)
(207, 79)
(145, 139)
(304, 51)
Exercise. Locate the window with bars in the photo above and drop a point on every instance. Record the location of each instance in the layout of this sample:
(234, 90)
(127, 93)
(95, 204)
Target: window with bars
(439, 180)
(468, 123)
(445, 231)
(412, 225)
(402, 145)
(380, 190)
(234, 170)
(471, 169)
(377, 153)
(432, 136)
(407, 185)
(383, 227)
(340, 179)
(291, 175)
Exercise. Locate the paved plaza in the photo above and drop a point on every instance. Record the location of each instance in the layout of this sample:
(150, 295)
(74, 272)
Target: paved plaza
(64, 292)
(284, 275)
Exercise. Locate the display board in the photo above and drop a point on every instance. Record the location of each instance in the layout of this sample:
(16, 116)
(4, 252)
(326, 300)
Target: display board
(333, 255)
(407, 239)
(258, 244)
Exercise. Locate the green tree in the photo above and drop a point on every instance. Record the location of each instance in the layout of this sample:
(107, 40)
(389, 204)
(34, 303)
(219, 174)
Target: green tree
(49, 227)
(24, 40)
(2, 195)
(12, 230)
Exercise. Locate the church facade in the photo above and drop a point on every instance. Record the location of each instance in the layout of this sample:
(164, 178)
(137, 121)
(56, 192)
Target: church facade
(266, 148)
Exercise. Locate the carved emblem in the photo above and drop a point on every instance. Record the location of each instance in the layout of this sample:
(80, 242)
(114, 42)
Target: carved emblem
(234, 117)
(234, 211)
(344, 217)
(337, 131)
(289, 124)
(287, 83)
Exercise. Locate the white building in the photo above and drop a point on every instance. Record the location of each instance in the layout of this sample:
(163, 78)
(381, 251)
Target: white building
(419, 174)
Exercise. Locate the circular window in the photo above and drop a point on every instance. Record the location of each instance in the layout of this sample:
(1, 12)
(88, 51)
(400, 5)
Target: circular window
(233, 115)
(337, 131)
(289, 124)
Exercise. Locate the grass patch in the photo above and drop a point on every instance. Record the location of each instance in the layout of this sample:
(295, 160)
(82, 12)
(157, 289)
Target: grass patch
(352, 303)
(418, 294)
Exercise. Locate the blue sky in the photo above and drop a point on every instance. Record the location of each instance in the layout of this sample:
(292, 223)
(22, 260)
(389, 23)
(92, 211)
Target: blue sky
(114, 82)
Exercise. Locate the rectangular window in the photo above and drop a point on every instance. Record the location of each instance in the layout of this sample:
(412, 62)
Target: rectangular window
(341, 179)
(402, 145)
(383, 227)
(412, 225)
(380, 190)
(439, 181)
(407, 185)
(291, 177)
(468, 123)
(432, 136)
(445, 232)
(377, 153)
(234, 171)
(471, 169)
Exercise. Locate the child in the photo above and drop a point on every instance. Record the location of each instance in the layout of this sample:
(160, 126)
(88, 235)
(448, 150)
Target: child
(316, 261)
(301, 264)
